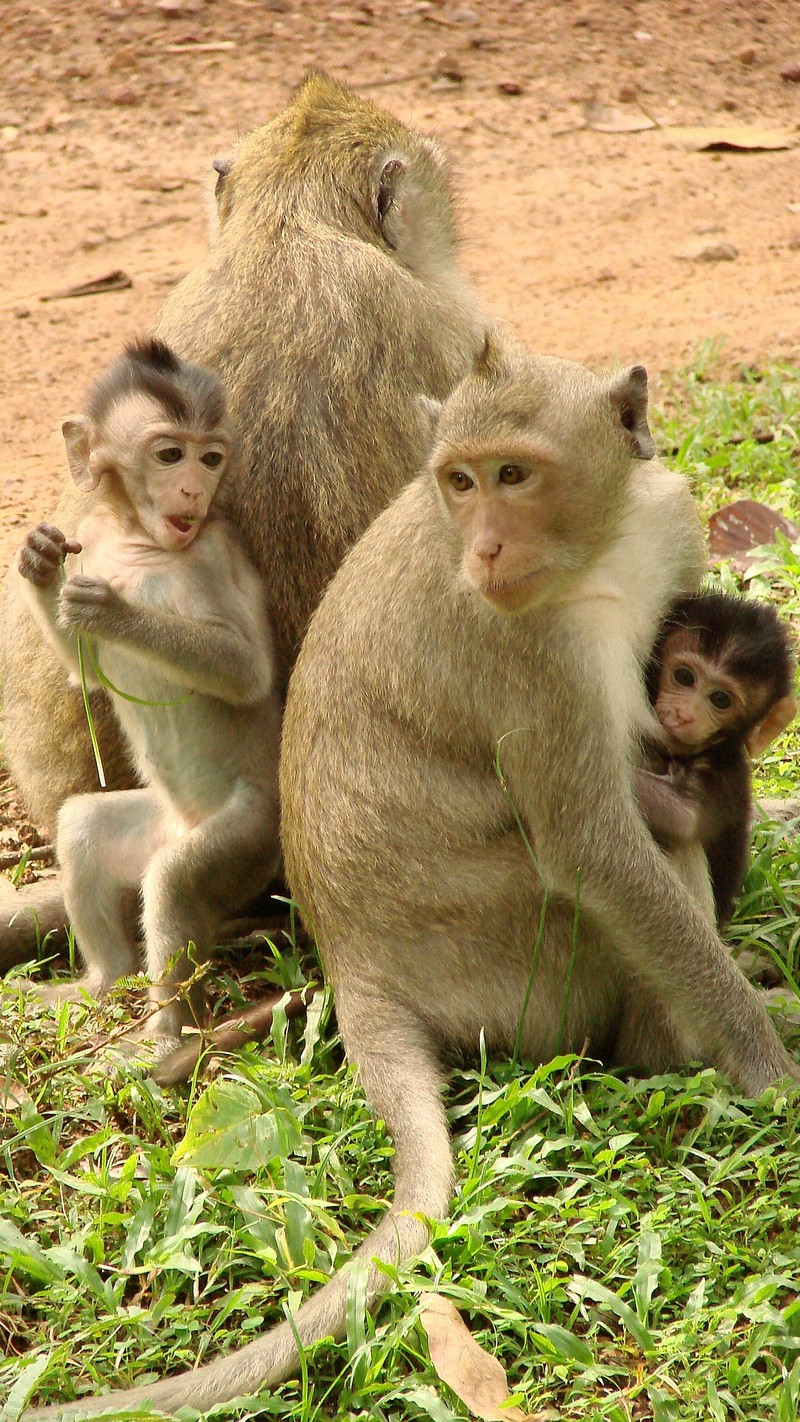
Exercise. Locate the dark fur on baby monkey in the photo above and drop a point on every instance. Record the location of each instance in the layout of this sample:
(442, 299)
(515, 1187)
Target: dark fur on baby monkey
(720, 681)
(177, 618)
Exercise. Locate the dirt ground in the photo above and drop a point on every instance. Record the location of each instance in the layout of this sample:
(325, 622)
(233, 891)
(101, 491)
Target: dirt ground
(595, 244)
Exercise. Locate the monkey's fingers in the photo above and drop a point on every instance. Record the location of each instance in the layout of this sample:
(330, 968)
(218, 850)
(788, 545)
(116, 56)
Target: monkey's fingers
(80, 585)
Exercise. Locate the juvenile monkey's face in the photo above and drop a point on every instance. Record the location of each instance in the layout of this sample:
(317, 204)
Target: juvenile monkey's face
(169, 474)
(697, 700)
(508, 507)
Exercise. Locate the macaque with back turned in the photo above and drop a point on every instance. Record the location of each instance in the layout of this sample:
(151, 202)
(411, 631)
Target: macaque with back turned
(720, 681)
(158, 594)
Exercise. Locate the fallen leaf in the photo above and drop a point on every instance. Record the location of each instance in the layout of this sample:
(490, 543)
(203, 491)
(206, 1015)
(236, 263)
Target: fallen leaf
(113, 281)
(736, 529)
(13, 1095)
(474, 1375)
(603, 119)
(739, 137)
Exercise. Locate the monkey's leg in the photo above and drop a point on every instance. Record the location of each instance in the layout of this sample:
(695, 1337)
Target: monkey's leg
(104, 843)
(191, 885)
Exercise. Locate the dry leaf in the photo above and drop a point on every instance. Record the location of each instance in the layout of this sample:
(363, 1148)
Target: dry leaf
(13, 1095)
(473, 1374)
(113, 281)
(737, 528)
(740, 137)
(607, 120)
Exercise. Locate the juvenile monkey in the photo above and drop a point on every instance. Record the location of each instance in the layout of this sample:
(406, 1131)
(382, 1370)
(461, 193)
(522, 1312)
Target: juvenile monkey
(333, 273)
(720, 681)
(502, 605)
(165, 603)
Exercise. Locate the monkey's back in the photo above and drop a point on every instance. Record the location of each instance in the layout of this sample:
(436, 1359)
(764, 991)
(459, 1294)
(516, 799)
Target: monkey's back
(340, 339)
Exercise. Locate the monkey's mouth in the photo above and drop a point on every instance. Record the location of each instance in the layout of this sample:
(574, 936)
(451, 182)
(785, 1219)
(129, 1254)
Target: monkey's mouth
(184, 523)
(511, 594)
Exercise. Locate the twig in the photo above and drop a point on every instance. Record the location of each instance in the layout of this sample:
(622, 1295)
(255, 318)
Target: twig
(42, 854)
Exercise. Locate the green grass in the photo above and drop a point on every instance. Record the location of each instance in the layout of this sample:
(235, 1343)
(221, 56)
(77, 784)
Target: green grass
(629, 1249)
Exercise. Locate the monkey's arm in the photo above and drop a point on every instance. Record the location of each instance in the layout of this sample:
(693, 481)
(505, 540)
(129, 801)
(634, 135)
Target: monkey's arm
(670, 814)
(39, 564)
(218, 656)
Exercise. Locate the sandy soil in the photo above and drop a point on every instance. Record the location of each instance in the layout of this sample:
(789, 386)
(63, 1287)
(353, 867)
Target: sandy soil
(110, 111)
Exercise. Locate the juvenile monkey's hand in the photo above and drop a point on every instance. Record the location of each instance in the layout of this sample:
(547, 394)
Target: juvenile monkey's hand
(89, 605)
(42, 554)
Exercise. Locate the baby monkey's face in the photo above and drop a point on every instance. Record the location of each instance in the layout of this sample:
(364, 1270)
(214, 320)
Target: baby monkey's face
(167, 473)
(698, 701)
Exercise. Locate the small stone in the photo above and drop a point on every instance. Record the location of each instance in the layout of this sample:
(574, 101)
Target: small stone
(22, 313)
(124, 96)
(510, 86)
(791, 72)
(747, 55)
(710, 252)
(730, 105)
(627, 94)
(448, 66)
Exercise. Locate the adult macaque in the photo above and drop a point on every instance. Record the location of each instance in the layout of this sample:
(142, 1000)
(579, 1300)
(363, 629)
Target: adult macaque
(502, 606)
(164, 604)
(720, 682)
(330, 297)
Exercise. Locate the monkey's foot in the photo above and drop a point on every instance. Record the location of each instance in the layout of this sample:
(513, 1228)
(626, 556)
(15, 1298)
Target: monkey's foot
(85, 990)
(784, 1004)
(142, 1048)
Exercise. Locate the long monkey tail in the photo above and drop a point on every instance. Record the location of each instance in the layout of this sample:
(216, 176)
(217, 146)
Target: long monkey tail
(402, 1081)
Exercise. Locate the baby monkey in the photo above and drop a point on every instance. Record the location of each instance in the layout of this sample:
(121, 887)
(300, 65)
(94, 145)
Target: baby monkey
(165, 603)
(720, 682)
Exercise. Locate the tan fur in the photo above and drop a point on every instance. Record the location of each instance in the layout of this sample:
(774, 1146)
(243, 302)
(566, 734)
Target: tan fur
(324, 335)
(404, 852)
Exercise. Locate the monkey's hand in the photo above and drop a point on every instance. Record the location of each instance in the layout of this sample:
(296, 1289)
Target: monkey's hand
(42, 554)
(668, 806)
(90, 605)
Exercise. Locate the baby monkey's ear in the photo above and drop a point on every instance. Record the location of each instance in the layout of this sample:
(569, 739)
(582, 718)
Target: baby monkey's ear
(76, 438)
(629, 398)
(776, 720)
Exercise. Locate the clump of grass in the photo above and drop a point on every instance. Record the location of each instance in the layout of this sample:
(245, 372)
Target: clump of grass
(629, 1249)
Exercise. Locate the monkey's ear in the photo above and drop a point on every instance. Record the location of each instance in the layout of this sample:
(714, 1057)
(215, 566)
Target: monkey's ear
(390, 176)
(629, 399)
(76, 438)
(491, 362)
(776, 720)
(222, 167)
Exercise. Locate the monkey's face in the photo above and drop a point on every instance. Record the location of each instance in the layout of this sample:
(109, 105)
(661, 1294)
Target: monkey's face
(182, 472)
(167, 474)
(511, 516)
(698, 702)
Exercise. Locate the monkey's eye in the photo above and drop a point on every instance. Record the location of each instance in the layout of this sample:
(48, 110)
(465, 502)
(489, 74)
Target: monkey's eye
(169, 454)
(721, 700)
(212, 458)
(684, 676)
(459, 480)
(512, 474)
